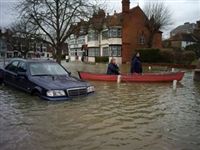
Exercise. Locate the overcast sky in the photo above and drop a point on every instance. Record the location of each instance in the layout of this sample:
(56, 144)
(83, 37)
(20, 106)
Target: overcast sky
(183, 10)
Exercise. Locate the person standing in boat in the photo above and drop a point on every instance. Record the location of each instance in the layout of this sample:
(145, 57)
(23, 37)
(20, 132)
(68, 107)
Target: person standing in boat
(136, 64)
(113, 69)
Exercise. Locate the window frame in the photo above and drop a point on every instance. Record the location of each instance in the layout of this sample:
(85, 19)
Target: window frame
(118, 50)
(106, 49)
(93, 36)
(20, 62)
(96, 52)
(12, 70)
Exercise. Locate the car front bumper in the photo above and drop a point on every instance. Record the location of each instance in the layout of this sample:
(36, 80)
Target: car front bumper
(64, 98)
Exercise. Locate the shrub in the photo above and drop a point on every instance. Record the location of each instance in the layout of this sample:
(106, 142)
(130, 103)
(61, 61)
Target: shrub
(102, 59)
(188, 57)
(195, 48)
(150, 55)
(177, 57)
(167, 56)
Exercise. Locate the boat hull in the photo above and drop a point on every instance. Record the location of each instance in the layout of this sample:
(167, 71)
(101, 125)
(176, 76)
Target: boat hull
(146, 77)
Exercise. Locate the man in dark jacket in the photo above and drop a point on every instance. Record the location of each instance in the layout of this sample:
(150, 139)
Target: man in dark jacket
(113, 69)
(136, 65)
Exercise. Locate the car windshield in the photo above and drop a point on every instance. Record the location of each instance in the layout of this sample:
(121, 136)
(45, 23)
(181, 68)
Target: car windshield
(39, 69)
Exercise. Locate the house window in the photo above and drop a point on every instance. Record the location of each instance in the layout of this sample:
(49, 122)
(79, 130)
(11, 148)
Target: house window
(105, 35)
(115, 50)
(73, 52)
(106, 51)
(142, 39)
(81, 40)
(95, 51)
(115, 33)
(93, 36)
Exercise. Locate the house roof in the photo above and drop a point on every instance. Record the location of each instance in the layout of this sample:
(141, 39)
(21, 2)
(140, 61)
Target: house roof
(114, 20)
(100, 19)
(117, 18)
(183, 37)
(185, 28)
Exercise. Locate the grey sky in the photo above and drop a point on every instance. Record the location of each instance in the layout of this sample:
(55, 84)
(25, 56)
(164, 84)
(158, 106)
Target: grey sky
(183, 10)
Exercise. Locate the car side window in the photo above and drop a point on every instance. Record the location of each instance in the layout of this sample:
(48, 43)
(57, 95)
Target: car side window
(12, 66)
(22, 67)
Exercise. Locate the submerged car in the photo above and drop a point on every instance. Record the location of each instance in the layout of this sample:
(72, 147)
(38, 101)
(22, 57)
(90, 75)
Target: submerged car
(44, 78)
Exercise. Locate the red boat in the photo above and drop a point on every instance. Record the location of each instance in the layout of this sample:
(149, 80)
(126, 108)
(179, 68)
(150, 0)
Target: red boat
(146, 77)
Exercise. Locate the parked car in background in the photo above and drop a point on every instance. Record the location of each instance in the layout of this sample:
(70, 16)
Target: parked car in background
(44, 78)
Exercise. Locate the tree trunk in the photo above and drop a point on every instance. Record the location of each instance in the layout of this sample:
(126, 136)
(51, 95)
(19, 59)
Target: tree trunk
(24, 54)
(58, 53)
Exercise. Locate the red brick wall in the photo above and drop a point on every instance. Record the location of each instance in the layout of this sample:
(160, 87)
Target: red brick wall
(157, 40)
(133, 27)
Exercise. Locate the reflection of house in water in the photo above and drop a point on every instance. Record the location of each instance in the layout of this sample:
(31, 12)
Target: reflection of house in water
(116, 35)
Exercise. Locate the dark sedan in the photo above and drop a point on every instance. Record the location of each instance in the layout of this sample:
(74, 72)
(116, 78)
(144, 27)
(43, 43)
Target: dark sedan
(44, 78)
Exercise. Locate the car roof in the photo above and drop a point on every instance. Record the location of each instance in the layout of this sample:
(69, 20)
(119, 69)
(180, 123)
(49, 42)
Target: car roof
(33, 60)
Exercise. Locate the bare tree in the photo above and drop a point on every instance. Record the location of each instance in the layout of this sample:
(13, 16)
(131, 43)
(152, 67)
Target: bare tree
(159, 18)
(22, 37)
(56, 18)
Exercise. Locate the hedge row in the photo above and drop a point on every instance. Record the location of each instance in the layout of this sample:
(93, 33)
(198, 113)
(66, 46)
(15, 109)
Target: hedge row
(167, 56)
(195, 48)
(101, 59)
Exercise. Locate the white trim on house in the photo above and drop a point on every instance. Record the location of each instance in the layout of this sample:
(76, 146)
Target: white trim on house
(186, 43)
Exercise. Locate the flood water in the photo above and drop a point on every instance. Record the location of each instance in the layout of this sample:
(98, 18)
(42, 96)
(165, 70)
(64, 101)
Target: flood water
(136, 116)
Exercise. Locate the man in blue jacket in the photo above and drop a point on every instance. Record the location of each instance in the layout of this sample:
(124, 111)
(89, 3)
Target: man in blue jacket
(136, 65)
(113, 69)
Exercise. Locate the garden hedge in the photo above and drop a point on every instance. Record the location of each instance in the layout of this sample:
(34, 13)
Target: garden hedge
(103, 59)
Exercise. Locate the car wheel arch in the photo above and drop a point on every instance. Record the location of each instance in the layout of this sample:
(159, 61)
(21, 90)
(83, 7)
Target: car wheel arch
(36, 91)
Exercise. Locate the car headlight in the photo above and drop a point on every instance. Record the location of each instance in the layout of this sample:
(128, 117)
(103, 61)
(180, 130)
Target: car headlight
(90, 89)
(54, 93)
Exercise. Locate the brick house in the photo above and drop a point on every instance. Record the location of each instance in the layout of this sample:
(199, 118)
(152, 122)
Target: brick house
(118, 35)
(135, 34)
(181, 40)
(183, 35)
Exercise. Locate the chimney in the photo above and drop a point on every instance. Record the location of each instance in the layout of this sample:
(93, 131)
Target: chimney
(125, 6)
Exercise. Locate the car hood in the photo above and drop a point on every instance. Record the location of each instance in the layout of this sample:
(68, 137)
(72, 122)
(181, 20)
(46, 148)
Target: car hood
(58, 82)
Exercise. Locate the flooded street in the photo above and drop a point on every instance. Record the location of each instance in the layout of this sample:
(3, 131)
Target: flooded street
(126, 116)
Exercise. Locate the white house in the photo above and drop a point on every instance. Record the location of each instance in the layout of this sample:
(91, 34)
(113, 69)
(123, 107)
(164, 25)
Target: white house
(102, 38)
